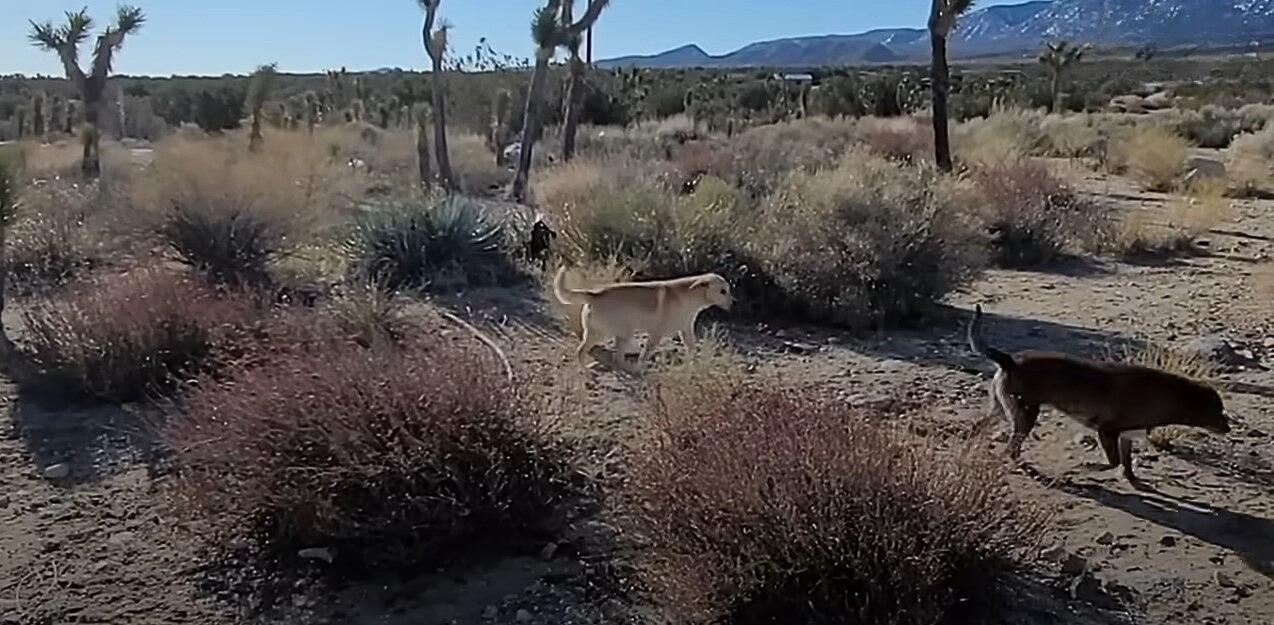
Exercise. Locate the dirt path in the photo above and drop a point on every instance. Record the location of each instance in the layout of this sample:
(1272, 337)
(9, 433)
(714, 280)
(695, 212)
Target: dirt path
(96, 546)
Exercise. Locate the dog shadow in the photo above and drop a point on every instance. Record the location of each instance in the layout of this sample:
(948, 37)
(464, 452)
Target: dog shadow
(1250, 537)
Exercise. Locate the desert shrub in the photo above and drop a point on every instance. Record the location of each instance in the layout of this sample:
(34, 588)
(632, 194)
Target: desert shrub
(48, 243)
(763, 156)
(1007, 134)
(124, 337)
(868, 241)
(904, 139)
(1209, 127)
(430, 242)
(1250, 166)
(1150, 153)
(1202, 207)
(1034, 216)
(389, 457)
(1069, 137)
(474, 165)
(823, 516)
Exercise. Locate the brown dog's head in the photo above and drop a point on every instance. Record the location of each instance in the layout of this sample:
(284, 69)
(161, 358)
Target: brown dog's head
(1211, 415)
(714, 290)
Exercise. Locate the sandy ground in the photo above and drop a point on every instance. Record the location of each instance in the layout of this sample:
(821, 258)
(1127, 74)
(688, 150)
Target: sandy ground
(97, 547)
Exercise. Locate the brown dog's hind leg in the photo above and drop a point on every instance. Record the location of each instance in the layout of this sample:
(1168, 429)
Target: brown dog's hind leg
(1024, 419)
(589, 339)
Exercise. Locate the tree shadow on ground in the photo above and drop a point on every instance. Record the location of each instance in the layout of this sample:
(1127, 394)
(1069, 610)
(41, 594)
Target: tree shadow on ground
(943, 342)
(1246, 535)
(92, 441)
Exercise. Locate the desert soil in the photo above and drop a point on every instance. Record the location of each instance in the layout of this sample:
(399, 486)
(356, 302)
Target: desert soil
(97, 545)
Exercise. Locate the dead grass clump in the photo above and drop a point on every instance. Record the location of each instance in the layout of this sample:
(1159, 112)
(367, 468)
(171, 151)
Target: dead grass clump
(1069, 137)
(1008, 134)
(1143, 234)
(821, 516)
(902, 139)
(387, 457)
(1035, 217)
(868, 242)
(48, 243)
(1251, 163)
(1152, 154)
(122, 338)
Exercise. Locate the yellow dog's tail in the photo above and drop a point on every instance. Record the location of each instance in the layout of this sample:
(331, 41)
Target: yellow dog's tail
(567, 295)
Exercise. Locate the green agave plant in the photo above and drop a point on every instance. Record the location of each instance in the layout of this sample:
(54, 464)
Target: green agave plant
(437, 244)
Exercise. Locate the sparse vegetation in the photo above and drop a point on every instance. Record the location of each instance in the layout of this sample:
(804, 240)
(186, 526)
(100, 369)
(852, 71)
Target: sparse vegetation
(817, 517)
(281, 310)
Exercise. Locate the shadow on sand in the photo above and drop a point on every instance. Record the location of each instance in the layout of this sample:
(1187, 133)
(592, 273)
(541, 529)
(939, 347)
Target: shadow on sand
(1246, 535)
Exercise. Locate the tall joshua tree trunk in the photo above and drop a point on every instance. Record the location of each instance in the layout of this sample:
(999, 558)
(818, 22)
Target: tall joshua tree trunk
(435, 42)
(942, 19)
(421, 112)
(940, 83)
(574, 106)
(65, 41)
(258, 92)
(551, 27)
(531, 122)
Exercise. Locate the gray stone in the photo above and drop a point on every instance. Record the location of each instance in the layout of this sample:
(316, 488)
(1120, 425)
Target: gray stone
(317, 553)
(1106, 538)
(522, 616)
(57, 471)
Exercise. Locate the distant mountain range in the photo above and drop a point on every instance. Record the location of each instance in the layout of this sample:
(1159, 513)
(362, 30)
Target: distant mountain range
(1004, 30)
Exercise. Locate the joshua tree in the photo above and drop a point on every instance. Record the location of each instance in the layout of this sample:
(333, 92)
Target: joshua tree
(258, 92)
(576, 86)
(942, 20)
(549, 31)
(435, 42)
(1056, 57)
(420, 111)
(65, 40)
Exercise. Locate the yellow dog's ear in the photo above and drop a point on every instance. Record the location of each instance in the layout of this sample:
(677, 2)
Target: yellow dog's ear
(701, 282)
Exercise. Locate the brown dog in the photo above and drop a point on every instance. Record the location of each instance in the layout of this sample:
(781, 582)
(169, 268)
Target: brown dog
(1117, 400)
(659, 307)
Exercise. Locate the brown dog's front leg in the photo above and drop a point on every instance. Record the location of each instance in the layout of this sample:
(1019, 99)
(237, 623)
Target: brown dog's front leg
(1125, 458)
(1110, 445)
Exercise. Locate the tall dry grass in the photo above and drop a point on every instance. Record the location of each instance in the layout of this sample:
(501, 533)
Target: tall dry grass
(1151, 154)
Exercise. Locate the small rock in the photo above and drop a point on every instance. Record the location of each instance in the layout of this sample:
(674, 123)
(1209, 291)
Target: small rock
(1084, 439)
(1269, 342)
(121, 538)
(4, 501)
(1251, 433)
(1106, 538)
(1000, 437)
(1223, 580)
(317, 553)
(548, 552)
(57, 471)
(300, 601)
(1168, 540)
(522, 616)
(490, 612)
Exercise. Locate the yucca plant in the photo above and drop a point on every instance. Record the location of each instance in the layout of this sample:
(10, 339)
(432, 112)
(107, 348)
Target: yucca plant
(229, 245)
(434, 244)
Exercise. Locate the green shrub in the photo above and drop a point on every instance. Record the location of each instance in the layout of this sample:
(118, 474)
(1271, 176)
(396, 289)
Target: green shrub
(430, 243)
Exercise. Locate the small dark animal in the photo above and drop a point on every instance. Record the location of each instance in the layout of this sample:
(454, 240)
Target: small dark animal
(540, 243)
(1119, 401)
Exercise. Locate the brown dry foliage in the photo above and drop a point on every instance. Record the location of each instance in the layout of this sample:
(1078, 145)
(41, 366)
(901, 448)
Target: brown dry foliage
(391, 457)
(1035, 216)
(756, 503)
(123, 337)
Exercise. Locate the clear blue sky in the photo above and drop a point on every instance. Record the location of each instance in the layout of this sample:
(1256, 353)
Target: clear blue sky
(189, 37)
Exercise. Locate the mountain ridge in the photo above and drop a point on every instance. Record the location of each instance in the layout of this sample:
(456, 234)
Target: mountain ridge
(1001, 30)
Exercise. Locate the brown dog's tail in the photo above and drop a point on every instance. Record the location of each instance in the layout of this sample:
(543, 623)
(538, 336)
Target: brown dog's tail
(566, 295)
(1001, 359)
